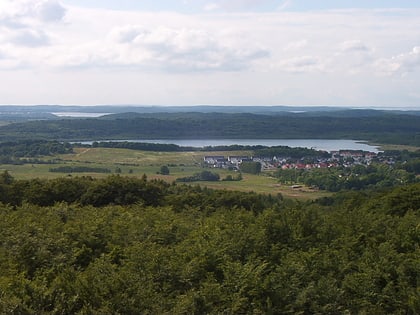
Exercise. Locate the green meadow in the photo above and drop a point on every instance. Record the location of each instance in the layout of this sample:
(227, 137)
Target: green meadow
(137, 163)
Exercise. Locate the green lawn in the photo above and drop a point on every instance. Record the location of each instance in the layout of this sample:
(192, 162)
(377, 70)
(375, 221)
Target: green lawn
(398, 147)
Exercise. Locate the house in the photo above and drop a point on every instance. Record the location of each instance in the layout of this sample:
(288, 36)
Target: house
(214, 160)
(238, 159)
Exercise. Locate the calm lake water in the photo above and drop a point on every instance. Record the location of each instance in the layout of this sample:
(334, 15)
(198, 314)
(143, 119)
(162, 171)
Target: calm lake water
(317, 144)
(79, 114)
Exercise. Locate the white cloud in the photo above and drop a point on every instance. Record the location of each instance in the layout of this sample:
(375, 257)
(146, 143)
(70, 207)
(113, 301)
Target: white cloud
(235, 5)
(30, 38)
(301, 64)
(7, 62)
(23, 22)
(50, 10)
(183, 49)
(354, 46)
(209, 58)
(22, 11)
(286, 4)
(127, 33)
(401, 64)
(352, 57)
(296, 45)
(211, 7)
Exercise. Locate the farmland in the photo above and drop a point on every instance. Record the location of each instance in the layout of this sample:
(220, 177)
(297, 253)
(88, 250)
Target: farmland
(135, 163)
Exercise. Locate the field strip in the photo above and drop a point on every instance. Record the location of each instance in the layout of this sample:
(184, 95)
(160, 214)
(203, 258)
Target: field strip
(84, 152)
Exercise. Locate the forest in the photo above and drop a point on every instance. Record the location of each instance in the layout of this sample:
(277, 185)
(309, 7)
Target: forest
(123, 245)
(380, 127)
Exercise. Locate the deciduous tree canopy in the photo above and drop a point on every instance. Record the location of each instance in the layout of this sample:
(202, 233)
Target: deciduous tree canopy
(132, 246)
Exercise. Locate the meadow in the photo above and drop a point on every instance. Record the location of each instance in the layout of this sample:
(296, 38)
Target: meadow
(135, 163)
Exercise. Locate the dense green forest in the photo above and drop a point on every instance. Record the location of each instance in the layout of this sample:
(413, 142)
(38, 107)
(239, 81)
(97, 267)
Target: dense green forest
(28, 151)
(136, 246)
(381, 127)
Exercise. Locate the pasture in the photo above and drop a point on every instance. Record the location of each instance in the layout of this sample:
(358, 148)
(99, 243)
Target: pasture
(137, 163)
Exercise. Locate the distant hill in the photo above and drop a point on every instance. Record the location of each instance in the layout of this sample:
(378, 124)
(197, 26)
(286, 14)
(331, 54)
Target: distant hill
(21, 113)
(377, 126)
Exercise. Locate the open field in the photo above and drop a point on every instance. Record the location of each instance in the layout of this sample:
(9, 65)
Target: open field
(398, 147)
(136, 163)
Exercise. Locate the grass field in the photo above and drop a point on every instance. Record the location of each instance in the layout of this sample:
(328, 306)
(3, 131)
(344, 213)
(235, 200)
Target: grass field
(137, 163)
(398, 147)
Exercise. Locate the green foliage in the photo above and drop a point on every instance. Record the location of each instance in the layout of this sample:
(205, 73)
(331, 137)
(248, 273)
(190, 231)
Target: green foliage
(164, 170)
(112, 190)
(412, 166)
(357, 177)
(79, 169)
(250, 167)
(132, 246)
(382, 127)
(6, 178)
(230, 178)
(202, 176)
(27, 150)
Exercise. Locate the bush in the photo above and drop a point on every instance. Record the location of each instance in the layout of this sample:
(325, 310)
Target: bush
(164, 170)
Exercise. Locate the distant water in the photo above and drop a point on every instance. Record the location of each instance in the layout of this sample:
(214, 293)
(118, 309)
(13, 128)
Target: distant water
(79, 114)
(317, 144)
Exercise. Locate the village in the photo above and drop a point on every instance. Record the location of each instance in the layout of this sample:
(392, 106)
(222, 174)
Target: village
(341, 158)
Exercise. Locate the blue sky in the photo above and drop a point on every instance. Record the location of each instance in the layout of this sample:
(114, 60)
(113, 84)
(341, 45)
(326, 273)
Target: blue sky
(222, 52)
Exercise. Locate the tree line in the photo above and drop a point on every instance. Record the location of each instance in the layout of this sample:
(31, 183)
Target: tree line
(79, 169)
(358, 177)
(29, 151)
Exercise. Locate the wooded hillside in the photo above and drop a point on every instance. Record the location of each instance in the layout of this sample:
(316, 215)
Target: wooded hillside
(380, 127)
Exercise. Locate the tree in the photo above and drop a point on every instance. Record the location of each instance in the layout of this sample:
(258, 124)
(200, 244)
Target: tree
(6, 178)
(164, 170)
(251, 167)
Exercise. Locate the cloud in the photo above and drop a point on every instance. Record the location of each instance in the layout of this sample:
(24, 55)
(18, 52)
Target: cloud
(244, 54)
(301, 64)
(10, 22)
(21, 13)
(7, 62)
(286, 4)
(354, 46)
(127, 33)
(184, 49)
(400, 64)
(30, 38)
(296, 45)
(352, 57)
(211, 7)
(236, 5)
(50, 10)
(22, 22)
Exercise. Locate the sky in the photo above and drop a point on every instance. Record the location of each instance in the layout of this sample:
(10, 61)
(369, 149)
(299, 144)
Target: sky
(361, 53)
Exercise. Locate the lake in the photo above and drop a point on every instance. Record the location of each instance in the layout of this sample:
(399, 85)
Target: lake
(317, 144)
(79, 114)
